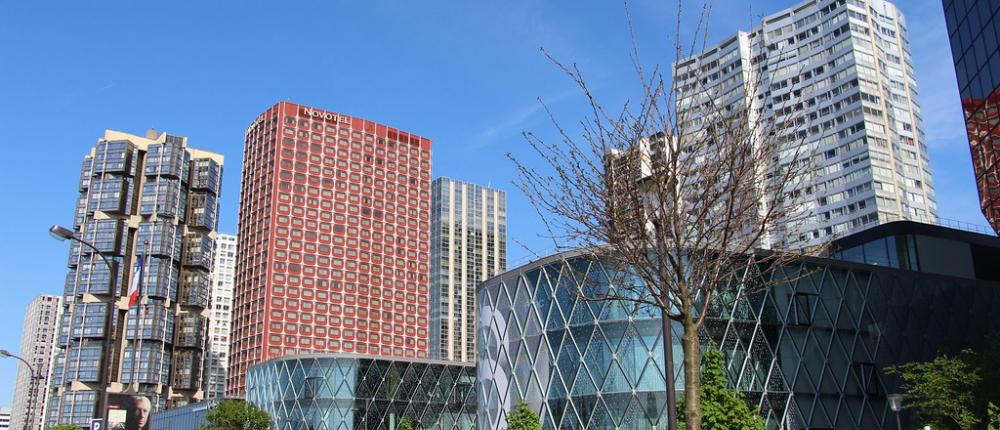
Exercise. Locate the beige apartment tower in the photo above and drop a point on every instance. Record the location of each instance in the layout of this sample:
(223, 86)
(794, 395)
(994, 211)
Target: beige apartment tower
(145, 198)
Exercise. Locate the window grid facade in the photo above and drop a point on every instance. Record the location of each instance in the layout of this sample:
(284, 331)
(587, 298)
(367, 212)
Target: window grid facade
(468, 246)
(333, 249)
(351, 392)
(223, 272)
(132, 190)
(839, 73)
(38, 340)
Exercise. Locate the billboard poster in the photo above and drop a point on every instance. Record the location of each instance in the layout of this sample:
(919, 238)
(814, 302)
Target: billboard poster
(128, 412)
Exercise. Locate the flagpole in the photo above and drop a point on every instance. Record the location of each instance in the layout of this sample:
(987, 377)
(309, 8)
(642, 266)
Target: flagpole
(137, 342)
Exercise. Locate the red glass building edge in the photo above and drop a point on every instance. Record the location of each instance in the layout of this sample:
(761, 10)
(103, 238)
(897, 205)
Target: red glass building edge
(982, 118)
(334, 233)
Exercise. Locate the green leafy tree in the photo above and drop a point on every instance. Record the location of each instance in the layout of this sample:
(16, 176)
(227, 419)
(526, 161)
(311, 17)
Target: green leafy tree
(993, 412)
(985, 363)
(942, 392)
(523, 418)
(406, 424)
(236, 415)
(64, 427)
(722, 408)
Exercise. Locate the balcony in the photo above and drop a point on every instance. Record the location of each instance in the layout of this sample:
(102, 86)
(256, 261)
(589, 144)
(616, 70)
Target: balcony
(109, 194)
(86, 321)
(194, 290)
(86, 174)
(113, 157)
(198, 250)
(78, 363)
(152, 367)
(156, 322)
(163, 197)
(186, 370)
(164, 239)
(206, 175)
(168, 159)
(202, 210)
(159, 278)
(93, 277)
(189, 331)
(106, 235)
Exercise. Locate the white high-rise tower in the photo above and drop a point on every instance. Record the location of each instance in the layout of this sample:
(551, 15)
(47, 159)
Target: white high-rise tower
(38, 340)
(221, 318)
(839, 73)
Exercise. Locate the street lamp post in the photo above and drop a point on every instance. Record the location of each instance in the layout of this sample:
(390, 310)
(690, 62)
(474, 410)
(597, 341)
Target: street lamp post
(61, 233)
(896, 404)
(31, 387)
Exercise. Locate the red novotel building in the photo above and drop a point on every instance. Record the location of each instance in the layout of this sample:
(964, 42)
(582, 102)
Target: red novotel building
(333, 244)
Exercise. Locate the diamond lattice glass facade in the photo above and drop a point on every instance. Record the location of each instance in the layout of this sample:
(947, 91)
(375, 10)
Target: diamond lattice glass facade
(348, 391)
(809, 351)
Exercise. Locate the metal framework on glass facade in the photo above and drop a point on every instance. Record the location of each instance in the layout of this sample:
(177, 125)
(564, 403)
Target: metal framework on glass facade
(350, 391)
(155, 198)
(810, 351)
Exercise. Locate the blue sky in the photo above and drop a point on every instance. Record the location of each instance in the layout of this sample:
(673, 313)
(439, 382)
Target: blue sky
(465, 74)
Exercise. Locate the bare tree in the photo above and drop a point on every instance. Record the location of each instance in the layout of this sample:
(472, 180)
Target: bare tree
(683, 187)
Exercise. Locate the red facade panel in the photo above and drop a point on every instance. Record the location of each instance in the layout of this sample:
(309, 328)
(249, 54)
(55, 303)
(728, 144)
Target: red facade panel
(982, 119)
(334, 239)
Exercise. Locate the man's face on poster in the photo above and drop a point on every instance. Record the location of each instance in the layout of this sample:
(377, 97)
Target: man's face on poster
(141, 410)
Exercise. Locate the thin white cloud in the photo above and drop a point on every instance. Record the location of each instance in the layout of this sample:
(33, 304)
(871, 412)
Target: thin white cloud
(512, 123)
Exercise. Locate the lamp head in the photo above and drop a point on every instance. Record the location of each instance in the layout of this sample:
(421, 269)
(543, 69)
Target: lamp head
(61, 233)
(5, 353)
(895, 402)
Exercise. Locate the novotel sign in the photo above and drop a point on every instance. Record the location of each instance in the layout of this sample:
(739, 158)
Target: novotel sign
(318, 114)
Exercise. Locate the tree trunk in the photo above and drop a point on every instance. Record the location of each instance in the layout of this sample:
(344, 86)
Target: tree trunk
(668, 370)
(692, 374)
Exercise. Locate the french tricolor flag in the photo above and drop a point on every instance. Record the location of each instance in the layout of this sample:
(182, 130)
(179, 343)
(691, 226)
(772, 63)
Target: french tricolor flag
(133, 289)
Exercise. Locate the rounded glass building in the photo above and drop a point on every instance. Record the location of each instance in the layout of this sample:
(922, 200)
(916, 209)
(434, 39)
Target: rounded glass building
(351, 391)
(593, 364)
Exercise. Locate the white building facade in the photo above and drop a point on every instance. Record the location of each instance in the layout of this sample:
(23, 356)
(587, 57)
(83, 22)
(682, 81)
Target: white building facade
(220, 319)
(468, 246)
(38, 339)
(834, 76)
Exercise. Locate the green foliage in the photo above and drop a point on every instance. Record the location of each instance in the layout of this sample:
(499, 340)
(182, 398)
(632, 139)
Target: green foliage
(64, 427)
(985, 363)
(236, 415)
(523, 418)
(405, 424)
(993, 416)
(722, 408)
(941, 392)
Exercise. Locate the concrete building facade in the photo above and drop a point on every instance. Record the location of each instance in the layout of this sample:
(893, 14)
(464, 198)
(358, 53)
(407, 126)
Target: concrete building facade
(221, 317)
(149, 198)
(38, 340)
(333, 242)
(834, 80)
